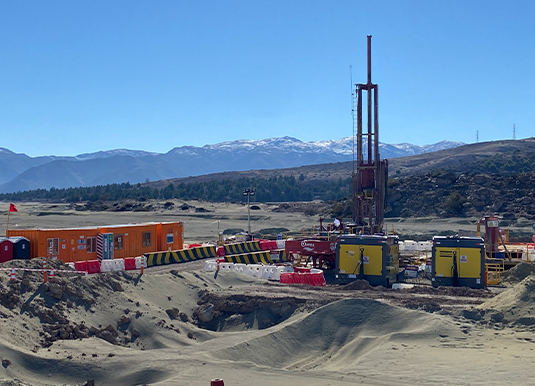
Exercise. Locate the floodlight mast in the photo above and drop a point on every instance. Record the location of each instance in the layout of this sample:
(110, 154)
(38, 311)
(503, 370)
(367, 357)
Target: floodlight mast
(249, 192)
(369, 176)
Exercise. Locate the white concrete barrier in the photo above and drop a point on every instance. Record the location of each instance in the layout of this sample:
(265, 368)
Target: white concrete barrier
(266, 271)
(107, 265)
(240, 268)
(118, 264)
(139, 260)
(210, 265)
(226, 266)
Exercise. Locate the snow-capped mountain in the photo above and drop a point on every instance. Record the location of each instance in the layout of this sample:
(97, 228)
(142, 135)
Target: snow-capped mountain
(21, 172)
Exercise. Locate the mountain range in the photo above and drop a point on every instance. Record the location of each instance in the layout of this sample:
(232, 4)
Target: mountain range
(20, 172)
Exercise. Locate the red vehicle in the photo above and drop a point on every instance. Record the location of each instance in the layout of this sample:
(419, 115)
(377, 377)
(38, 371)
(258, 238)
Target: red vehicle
(320, 251)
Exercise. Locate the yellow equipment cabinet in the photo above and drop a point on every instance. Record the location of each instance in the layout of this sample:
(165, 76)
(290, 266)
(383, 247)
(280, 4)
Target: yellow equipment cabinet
(458, 261)
(372, 258)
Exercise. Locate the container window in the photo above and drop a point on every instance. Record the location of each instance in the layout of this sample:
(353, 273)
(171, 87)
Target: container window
(147, 239)
(52, 247)
(91, 245)
(170, 238)
(118, 241)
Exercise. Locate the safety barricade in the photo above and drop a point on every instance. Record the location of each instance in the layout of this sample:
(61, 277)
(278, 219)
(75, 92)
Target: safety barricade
(269, 272)
(93, 266)
(240, 248)
(279, 256)
(250, 258)
(118, 264)
(240, 268)
(129, 263)
(280, 270)
(255, 270)
(226, 266)
(107, 266)
(180, 256)
(80, 265)
(71, 265)
(210, 265)
(268, 245)
(220, 251)
(141, 261)
(313, 277)
(281, 244)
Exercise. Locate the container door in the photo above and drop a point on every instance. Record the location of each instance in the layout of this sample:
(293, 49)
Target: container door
(105, 246)
(470, 263)
(444, 261)
(373, 260)
(348, 259)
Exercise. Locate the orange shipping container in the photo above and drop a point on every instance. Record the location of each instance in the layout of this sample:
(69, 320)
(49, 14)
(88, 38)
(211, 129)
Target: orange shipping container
(114, 241)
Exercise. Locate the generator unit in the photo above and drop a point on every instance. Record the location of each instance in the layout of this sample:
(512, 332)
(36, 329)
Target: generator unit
(369, 257)
(458, 261)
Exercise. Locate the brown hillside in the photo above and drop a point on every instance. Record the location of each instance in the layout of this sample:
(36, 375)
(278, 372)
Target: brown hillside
(461, 159)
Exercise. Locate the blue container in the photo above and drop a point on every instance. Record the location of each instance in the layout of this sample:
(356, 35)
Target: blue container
(499, 255)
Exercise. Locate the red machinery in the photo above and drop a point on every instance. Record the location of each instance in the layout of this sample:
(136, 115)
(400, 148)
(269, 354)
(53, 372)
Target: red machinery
(320, 251)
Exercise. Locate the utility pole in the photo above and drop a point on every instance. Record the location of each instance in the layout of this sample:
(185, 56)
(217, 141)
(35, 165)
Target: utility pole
(514, 131)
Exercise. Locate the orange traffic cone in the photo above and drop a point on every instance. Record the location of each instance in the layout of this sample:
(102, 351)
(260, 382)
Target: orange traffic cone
(13, 276)
(51, 276)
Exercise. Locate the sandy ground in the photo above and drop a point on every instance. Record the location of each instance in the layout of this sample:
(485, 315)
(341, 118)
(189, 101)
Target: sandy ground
(127, 329)
(198, 227)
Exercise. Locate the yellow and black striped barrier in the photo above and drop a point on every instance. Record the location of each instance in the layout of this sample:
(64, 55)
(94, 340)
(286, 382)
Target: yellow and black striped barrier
(250, 258)
(283, 256)
(240, 248)
(180, 256)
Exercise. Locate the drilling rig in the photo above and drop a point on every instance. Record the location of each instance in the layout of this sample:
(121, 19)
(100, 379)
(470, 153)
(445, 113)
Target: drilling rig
(369, 174)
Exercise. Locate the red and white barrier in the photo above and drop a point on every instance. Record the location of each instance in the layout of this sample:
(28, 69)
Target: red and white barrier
(309, 276)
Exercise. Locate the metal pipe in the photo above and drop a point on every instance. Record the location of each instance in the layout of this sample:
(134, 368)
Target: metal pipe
(369, 89)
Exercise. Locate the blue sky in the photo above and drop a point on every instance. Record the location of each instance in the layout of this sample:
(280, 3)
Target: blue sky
(83, 76)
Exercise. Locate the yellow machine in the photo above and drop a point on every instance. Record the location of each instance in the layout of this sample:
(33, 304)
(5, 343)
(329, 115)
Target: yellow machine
(458, 261)
(372, 258)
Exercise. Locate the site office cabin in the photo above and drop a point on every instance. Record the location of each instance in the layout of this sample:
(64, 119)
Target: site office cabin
(108, 242)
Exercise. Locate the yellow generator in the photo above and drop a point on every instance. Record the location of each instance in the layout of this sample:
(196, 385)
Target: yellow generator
(372, 258)
(458, 261)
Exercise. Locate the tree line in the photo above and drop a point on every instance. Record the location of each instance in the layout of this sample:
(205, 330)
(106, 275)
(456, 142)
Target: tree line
(274, 189)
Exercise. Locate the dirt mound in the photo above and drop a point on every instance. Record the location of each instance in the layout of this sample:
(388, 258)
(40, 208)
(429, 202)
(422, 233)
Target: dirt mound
(337, 336)
(515, 306)
(358, 285)
(518, 273)
(50, 304)
(239, 312)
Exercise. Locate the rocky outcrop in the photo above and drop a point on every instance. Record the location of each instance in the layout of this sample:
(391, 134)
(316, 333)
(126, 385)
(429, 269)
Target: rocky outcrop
(446, 194)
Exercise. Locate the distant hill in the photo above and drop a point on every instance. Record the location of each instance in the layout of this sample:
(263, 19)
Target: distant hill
(19, 172)
(495, 157)
(466, 181)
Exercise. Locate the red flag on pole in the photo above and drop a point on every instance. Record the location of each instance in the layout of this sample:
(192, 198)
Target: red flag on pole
(12, 208)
